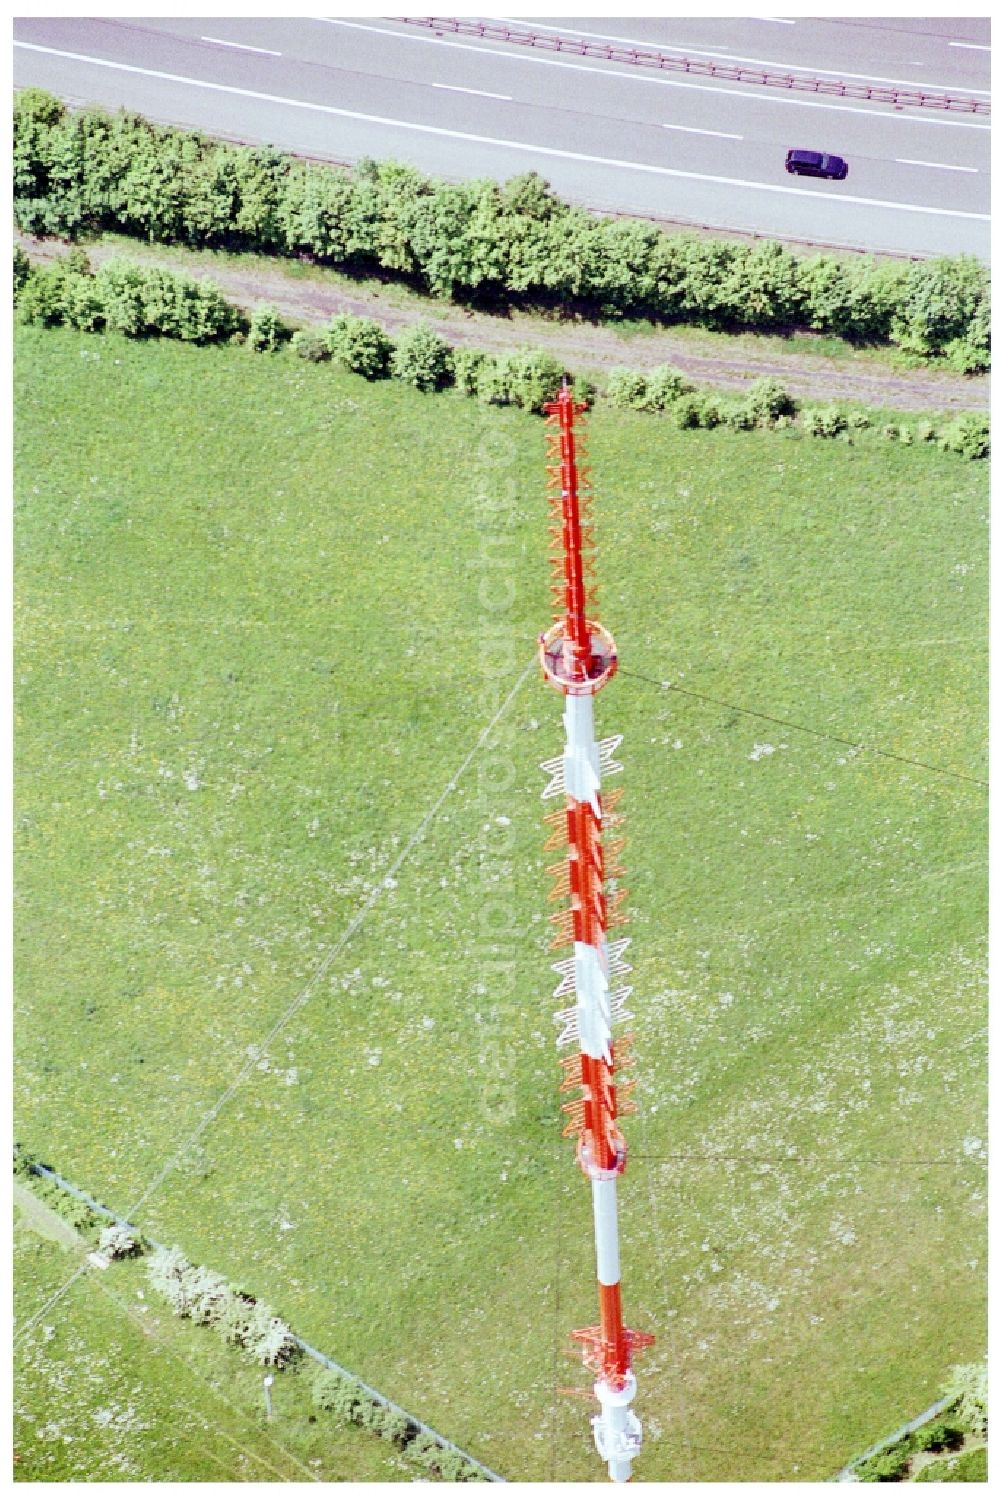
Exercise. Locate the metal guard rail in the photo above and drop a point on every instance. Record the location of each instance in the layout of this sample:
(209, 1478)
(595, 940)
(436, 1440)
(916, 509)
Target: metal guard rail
(637, 57)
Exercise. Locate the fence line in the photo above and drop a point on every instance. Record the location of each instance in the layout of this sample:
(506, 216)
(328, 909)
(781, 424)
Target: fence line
(730, 71)
(307, 1348)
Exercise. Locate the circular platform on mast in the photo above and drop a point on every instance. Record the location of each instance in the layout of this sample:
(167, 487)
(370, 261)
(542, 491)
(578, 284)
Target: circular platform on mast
(563, 667)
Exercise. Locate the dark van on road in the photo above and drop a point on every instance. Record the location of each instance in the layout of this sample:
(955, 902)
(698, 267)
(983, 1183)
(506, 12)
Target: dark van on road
(815, 163)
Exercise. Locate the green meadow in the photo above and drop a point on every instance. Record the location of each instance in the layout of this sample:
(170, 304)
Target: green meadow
(283, 984)
(110, 1387)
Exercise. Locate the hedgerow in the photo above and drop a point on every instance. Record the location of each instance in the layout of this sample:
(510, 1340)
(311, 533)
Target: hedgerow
(349, 1401)
(86, 170)
(134, 300)
(137, 302)
(205, 1297)
(79, 1215)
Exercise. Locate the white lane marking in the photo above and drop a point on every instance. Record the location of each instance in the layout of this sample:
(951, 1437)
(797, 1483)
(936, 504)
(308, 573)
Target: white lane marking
(971, 46)
(938, 165)
(673, 47)
(479, 92)
(768, 97)
(219, 41)
(690, 130)
(518, 145)
(775, 20)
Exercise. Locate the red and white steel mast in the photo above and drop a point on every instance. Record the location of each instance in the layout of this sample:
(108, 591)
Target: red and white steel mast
(578, 658)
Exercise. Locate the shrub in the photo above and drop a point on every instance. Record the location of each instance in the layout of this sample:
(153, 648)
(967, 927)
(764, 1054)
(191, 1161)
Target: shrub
(857, 420)
(22, 269)
(137, 301)
(324, 1388)
(24, 1162)
(268, 1339)
(967, 1384)
(267, 331)
(736, 414)
(395, 1427)
(971, 353)
(371, 1415)
(168, 1272)
(450, 1465)
(236, 1321)
(121, 289)
(466, 363)
(926, 431)
(424, 1450)
(825, 287)
(885, 1467)
(823, 420)
(83, 304)
(493, 381)
(85, 1220)
(968, 435)
(42, 298)
(350, 1400)
(422, 358)
(533, 378)
(584, 389)
(311, 345)
(890, 431)
(965, 357)
(208, 1295)
(340, 1395)
(626, 389)
(687, 411)
(939, 302)
(192, 310)
(711, 411)
(118, 1241)
(360, 345)
(944, 1432)
(767, 399)
(664, 384)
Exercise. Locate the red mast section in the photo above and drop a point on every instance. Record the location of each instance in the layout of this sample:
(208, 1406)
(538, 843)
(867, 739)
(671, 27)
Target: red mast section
(578, 658)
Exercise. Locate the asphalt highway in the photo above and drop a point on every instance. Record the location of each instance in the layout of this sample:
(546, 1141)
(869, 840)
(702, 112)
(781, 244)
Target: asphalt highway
(616, 137)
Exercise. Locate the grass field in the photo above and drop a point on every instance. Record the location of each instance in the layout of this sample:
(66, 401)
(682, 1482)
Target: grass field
(258, 637)
(112, 1388)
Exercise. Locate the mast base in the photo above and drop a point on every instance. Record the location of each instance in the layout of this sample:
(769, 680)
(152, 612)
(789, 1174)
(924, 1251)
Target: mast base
(617, 1430)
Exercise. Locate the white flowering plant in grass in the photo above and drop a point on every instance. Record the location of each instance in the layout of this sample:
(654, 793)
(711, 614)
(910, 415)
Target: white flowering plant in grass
(118, 1241)
(269, 1340)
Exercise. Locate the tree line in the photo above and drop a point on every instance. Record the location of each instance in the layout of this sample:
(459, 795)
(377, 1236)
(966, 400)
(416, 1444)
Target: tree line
(85, 171)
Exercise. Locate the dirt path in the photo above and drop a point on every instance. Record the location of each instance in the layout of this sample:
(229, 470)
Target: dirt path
(45, 1221)
(313, 296)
